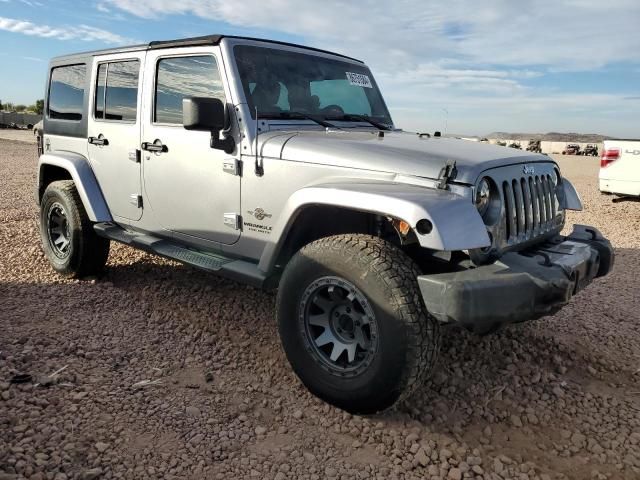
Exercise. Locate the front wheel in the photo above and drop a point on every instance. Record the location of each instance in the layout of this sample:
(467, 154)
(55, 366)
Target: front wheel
(68, 239)
(353, 324)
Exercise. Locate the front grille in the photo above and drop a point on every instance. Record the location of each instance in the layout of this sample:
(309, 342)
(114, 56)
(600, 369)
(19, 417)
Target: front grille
(530, 207)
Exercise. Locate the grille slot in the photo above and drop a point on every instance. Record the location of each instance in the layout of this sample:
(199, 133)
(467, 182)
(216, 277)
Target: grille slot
(530, 207)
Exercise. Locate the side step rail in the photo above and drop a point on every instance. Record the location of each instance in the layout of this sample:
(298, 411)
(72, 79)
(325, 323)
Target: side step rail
(239, 270)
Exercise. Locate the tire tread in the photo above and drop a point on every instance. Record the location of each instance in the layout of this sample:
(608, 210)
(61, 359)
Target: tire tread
(93, 249)
(399, 273)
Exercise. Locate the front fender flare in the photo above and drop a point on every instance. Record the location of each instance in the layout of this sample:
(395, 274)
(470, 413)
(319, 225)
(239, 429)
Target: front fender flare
(84, 179)
(568, 196)
(457, 225)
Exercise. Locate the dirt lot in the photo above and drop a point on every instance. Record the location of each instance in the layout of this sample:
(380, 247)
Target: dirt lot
(558, 398)
(20, 135)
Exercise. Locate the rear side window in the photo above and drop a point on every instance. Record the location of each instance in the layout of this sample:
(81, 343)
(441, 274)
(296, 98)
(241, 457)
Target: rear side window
(181, 77)
(117, 91)
(66, 92)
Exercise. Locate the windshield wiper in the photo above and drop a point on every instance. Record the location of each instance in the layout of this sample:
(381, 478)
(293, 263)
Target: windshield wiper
(363, 118)
(299, 115)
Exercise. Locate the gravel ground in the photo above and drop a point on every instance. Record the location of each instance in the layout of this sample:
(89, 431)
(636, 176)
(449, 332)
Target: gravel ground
(556, 398)
(19, 135)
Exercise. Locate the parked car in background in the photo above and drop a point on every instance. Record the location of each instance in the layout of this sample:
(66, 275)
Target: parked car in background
(590, 150)
(571, 149)
(620, 167)
(534, 146)
(515, 145)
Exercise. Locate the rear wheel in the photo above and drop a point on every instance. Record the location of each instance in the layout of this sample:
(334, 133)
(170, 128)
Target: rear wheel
(68, 239)
(353, 324)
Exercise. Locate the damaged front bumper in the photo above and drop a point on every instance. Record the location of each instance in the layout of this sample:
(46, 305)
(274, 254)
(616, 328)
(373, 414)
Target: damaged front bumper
(520, 286)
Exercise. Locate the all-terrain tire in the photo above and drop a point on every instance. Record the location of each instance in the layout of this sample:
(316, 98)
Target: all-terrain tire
(407, 336)
(81, 252)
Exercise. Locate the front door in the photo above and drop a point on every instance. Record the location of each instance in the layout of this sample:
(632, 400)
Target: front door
(114, 132)
(186, 184)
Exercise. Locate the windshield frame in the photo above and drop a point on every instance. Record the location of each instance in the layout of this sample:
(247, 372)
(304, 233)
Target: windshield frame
(241, 94)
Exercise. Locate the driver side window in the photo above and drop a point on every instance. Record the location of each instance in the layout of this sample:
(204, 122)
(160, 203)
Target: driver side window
(180, 77)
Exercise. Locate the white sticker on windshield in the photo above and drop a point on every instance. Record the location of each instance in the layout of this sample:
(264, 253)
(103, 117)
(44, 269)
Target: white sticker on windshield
(359, 80)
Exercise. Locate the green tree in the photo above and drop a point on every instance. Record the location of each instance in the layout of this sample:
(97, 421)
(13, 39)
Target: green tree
(20, 108)
(0, 104)
(8, 106)
(39, 107)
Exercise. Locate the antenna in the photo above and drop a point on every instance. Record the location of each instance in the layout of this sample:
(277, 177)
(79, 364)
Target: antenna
(258, 164)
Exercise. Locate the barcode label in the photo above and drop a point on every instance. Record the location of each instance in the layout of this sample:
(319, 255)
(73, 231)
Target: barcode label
(359, 80)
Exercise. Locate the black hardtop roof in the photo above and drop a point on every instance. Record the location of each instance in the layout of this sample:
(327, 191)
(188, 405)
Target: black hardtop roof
(189, 42)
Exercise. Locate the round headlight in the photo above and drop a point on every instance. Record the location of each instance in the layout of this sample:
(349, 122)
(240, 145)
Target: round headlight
(483, 196)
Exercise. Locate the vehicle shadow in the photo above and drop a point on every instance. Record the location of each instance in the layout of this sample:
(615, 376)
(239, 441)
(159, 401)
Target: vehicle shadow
(625, 199)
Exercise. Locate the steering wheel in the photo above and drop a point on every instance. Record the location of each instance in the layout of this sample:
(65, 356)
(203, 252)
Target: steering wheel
(332, 110)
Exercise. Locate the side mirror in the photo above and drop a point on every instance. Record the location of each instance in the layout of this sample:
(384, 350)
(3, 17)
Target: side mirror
(207, 114)
(199, 113)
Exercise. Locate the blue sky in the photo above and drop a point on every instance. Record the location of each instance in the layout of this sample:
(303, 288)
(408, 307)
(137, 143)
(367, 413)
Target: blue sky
(536, 66)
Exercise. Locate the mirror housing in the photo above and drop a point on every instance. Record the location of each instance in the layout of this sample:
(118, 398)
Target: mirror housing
(200, 113)
(210, 115)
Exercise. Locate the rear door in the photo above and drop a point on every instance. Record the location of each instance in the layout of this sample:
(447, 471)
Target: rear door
(114, 132)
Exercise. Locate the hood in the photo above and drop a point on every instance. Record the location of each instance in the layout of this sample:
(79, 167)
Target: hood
(395, 152)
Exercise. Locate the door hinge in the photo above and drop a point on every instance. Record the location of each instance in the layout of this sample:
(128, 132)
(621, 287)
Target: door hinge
(447, 173)
(135, 199)
(232, 166)
(232, 220)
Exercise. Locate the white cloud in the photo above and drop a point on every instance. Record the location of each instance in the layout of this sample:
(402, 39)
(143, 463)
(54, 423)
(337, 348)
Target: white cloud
(437, 75)
(577, 34)
(477, 59)
(77, 32)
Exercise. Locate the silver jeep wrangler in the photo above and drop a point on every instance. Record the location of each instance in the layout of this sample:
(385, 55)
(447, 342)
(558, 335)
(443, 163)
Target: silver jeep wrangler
(279, 166)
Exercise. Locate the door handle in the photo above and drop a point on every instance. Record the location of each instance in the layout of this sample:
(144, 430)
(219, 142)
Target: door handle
(99, 140)
(156, 146)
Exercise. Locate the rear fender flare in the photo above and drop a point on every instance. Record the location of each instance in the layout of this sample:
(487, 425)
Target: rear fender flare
(84, 179)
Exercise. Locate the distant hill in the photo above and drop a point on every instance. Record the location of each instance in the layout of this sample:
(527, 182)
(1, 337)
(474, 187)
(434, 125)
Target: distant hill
(553, 137)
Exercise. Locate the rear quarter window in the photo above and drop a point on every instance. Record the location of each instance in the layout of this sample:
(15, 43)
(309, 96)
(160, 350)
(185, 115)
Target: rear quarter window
(66, 92)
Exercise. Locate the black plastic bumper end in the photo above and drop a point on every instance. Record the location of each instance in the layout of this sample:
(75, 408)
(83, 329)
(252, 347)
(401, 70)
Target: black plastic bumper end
(520, 286)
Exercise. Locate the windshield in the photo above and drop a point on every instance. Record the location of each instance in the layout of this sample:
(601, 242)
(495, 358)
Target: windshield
(281, 83)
